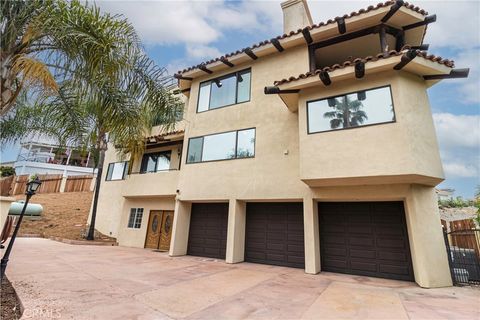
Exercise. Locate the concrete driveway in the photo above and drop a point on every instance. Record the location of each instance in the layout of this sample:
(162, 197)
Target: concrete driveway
(61, 281)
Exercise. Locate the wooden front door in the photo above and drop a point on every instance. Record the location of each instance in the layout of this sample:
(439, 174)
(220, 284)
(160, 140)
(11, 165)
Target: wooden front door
(159, 230)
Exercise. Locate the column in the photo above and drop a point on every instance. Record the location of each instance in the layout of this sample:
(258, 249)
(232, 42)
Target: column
(181, 225)
(427, 246)
(236, 231)
(312, 235)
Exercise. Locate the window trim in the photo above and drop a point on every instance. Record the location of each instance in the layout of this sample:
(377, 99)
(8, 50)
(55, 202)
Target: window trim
(236, 90)
(156, 162)
(125, 170)
(345, 94)
(236, 145)
(135, 218)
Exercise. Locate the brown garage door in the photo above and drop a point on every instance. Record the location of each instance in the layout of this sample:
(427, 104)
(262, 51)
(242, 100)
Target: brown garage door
(208, 230)
(274, 234)
(365, 238)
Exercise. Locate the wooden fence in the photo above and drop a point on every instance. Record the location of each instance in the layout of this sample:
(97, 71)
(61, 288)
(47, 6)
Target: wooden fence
(50, 184)
(78, 183)
(6, 186)
(463, 234)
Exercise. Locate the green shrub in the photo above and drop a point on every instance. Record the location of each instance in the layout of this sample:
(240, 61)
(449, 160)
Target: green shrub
(7, 171)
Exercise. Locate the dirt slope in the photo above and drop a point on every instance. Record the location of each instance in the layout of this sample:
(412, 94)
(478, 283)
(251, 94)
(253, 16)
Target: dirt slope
(64, 215)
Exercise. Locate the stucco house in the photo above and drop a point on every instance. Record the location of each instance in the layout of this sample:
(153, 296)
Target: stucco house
(315, 149)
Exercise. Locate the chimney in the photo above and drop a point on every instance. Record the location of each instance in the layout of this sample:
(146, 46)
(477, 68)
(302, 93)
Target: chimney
(296, 15)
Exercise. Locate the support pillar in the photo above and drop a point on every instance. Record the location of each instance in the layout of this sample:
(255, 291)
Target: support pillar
(311, 235)
(63, 184)
(237, 217)
(181, 226)
(427, 246)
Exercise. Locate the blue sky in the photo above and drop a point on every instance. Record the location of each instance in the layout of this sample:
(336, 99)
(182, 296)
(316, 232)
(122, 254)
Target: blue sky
(177, 34)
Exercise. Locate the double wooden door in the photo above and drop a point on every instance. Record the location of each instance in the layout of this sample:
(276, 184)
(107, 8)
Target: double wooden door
(159, 230)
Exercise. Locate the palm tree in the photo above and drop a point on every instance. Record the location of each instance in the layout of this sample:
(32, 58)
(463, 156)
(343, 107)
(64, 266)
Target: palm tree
(346, 113)
(21, 33)
(109, 92)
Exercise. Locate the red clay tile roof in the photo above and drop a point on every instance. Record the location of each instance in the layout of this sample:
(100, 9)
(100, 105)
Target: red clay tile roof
(392, 53)
(161, 135)
(314, 26)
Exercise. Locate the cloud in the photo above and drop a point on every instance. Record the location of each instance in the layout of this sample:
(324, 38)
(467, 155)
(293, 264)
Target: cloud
(202, 52)
(459, 140)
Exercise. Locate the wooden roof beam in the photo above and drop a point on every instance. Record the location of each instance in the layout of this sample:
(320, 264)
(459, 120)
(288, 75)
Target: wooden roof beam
(342, 28)
(204, 69)
(306, 35)
(325, 78)
(455, 73)
(250, 53)
(180, 77)
(426, 21)
(226, 62)
(405, 59)
(277, 44)
(359, 69)
(394, 8)
(276, 90)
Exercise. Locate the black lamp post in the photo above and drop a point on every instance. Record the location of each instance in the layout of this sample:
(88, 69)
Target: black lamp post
(32, 187)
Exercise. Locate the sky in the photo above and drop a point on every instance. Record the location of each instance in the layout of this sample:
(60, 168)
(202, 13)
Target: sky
(178, 34)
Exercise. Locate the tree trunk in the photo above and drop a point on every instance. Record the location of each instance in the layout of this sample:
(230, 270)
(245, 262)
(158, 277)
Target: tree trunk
(101, 159)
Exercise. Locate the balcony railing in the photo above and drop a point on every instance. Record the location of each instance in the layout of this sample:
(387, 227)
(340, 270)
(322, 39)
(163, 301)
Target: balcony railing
(151, 184)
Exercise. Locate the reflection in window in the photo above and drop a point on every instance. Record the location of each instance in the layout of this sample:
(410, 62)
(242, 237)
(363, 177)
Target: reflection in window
(153, 162)
(117, 170)
(351, 110)
(224, 91)
(228, 145)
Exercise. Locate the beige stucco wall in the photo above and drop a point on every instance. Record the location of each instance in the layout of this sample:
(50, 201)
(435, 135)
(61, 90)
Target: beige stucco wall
(272, 174)
(399, 152)
(131, 237)
(5, 203)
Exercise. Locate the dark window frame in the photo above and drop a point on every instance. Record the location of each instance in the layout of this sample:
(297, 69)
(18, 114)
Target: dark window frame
(145, 155)
(360, 126)
(236, 145)
(125, 170)
(212, 80)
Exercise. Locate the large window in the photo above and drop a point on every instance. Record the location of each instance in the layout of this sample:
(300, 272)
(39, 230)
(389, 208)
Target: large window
(135, 218)
(222, 146)
(117, 170)
(351, 110)
(153, 162)
(224, 91)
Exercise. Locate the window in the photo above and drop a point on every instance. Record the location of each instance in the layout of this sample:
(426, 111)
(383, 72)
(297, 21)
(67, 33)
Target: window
(153, 162)
(117, 170)
(351, 110)
(135, 219)
(222, 146)
(224, 91)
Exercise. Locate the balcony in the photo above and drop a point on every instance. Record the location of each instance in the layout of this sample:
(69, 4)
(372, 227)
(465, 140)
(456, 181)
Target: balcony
(154, 184)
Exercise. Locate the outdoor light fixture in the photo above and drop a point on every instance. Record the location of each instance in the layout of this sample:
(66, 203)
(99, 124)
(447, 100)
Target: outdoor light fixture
(361, 95)
(239, 78)
(331, 102)
(218, 83)
(32, 187)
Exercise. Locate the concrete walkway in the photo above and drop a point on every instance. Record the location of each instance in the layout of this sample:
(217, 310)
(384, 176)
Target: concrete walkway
(61, 281)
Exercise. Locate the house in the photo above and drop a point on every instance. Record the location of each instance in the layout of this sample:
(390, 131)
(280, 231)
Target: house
(315, 149)
(42, 156)
(445, 194)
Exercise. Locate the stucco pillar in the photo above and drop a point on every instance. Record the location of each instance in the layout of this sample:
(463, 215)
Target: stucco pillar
(236, 231)
(5, 203)
(181, 226)
(311, 235)
(429, 255)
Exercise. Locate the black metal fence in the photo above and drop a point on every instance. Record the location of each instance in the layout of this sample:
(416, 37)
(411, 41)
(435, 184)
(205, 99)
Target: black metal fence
(463, 248)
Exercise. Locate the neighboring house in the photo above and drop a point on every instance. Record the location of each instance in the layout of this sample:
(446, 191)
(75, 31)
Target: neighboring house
(444, 194)
(315, 149)
(43, 157)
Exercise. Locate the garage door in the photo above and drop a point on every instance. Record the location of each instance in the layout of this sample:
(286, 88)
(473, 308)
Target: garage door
(274, 234)
(365, 238)
(208, 230)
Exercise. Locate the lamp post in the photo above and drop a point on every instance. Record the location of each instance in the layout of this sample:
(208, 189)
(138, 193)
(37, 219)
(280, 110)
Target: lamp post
(32, 187)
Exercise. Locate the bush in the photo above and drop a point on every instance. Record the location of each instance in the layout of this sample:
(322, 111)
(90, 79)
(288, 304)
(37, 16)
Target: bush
(7, 171)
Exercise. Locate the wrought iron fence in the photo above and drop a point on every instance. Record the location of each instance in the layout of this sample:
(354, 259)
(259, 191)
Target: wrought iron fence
(463, 248)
